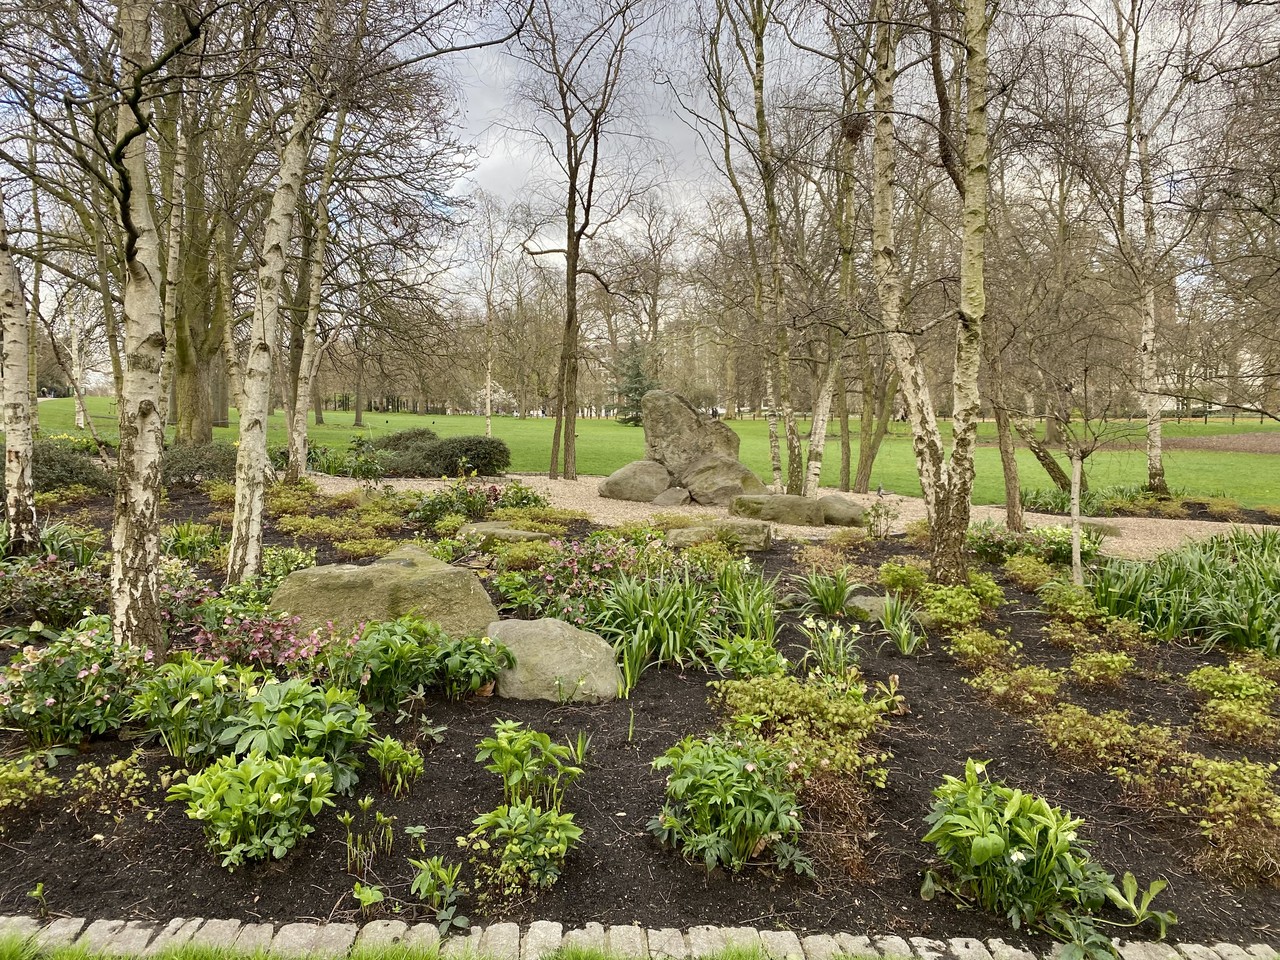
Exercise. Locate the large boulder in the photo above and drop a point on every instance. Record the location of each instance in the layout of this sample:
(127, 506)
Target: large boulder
(639, 480)
(842, 512)
(407, 580)
(715, 481)
(750, 535)
(678, 436)
(780, 508)
(556, 661)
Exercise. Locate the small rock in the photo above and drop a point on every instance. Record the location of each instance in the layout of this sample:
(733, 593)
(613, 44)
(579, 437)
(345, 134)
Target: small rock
(627, 942)
(667, 943)
(716, 481)
(820, 946)
(556, 661)
(781, 945)
(672, 497)
(541, 939)
(380, 934)
(501, 941)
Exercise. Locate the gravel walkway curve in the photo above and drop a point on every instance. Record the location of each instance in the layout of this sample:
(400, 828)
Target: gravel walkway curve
(1134, 537)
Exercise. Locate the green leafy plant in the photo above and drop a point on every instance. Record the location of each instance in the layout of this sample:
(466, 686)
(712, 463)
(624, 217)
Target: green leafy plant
(1232, 682)
(437, 885)
(952, 607)
(903, 577)
(1101, 669)
(295, 717)
(532, 767)
(977, 648)
(398, 765)
(1016, 856)
(880, 519)
(368, 896)
(729, 803)
(76, 685)
(899, 621)
(36, 893)
(23, 784)
(833, 652)
(1028, 688)
(256, 807)
(520, 848)
(188, 702)
(827, 595)
(1030, 573)
(368, 834)
(111, 789)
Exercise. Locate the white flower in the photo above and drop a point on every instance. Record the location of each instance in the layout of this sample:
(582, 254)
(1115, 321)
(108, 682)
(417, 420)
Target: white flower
(979, 768)
(1017, 856)
(309, 778)
(276, 798)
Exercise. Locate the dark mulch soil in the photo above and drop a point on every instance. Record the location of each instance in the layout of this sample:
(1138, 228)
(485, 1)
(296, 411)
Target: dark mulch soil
(1193, 510)
(153, 863)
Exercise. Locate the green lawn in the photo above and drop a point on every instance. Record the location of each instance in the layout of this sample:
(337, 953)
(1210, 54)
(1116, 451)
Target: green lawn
(604, 445)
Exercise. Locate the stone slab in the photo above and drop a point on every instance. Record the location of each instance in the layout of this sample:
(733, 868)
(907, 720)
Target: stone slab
(60, 933)
(1004, 951)
(542, 938)
(781, 945)
(821, 946)
(501, 941)
(967, 948)
(459, 945)
(705, 940)
(892, 946)
(424, 937)
(18, 926)
(99, 934)
(667, 942)
(744, 938)
(852, 946)
(255, 938)
(379, 934)
(588, 937)
(627, 942)
(176, 933)
(216, 933)
(928, 949)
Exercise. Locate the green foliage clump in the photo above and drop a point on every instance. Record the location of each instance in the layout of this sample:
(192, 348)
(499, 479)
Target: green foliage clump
(949, 608)
(464, 456)
(296, 718)
(977, 648)
(1030, 573)
(191, 541)
(61, 462)
(821, 727)
(53, 590)
(398, 765)
(522, 554)
(1242, 721)
(907, 578)
(994, 542)
(77, 685)
(188, 465)
(531, 766)
(111, 789)
(1225, 590)
(729, 803)
(361, 548)
(450, 524)
(256, 807)
(1018, 857)
(188, 702)
(1232, 682)
(1021, 689)
(520, 848)
(1067, 601)
(23, 783)
(1100, 668)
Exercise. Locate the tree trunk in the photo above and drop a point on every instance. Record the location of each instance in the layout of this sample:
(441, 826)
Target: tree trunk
(1026, 430)
(1008, 458)
(135, 536)
(775, 450)
(19, 500)
(821, 415)
(1077, 471)
(309, 360)
(317, 400)
(252, 462)
(846, 439)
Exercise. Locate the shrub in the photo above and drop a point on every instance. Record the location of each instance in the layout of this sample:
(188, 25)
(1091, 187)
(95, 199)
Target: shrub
(398, 765)
(993, 542)
(948, 608)
(450, 524)
(1019, 857)
(551, 520)
(1245, 721)
(57, 464)
(977, 648)
(264, 640)
(728, 803)
(827, 595)
(522, 554)
(1101, 669)
(361, 548)
(188, 465)
(520, 848)
(517, 495)
(256, 807)
(463, 456)
(405, 439)
(1067, 601)
(77, 685)
(1232, 682)
(51, 590)
(532, 768)
(985, 589)
(190, 541)
(460, 497)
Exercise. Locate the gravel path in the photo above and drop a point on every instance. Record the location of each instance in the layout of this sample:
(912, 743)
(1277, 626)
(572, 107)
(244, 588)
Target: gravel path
(1136, 537)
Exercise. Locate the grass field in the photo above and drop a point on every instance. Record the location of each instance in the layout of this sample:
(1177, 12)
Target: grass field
(605, 445)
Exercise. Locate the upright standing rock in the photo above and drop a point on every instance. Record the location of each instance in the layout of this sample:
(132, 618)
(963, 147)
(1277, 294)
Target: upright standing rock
(678, 436)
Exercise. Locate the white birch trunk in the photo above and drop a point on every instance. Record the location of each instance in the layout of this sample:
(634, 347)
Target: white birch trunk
(821, 417)
(135, 535)
(252, 461)
(19, 500)
(310, 361)
(1077, 472)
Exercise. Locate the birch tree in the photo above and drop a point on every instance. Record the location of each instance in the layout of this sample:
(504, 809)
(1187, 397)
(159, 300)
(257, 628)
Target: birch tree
(15, 327)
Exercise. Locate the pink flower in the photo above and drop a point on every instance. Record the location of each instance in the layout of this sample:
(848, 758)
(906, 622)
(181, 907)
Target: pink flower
(50, 702)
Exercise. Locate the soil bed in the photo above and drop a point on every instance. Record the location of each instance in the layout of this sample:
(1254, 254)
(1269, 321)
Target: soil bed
(152, 861)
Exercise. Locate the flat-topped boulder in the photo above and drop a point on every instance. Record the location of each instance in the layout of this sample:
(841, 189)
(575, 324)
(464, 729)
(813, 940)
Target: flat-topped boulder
(639, 480)
(407, 580)
(555, 661)
(677, 436)
(672, 497)
(500, 531)
(750, 535)
(840, 511)
(780, 508)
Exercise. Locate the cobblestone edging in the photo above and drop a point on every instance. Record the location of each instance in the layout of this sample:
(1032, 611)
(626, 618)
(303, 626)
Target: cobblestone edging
(508, 941)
